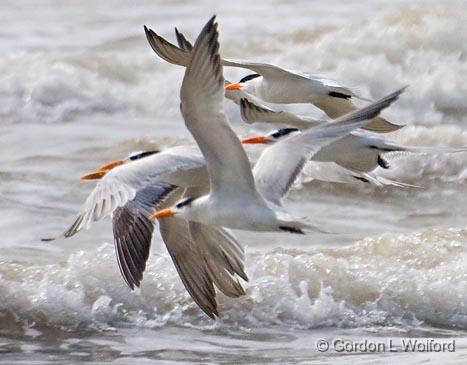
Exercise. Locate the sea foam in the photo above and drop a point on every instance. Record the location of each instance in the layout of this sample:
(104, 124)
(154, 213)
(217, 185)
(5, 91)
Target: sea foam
(391, 280)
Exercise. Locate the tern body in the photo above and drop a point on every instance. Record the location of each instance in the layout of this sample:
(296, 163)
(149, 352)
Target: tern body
(240, 212)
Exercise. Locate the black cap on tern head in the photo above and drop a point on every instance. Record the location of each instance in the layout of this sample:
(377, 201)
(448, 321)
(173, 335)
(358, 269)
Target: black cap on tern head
(283, 132)
(140, 155)
(249, 77)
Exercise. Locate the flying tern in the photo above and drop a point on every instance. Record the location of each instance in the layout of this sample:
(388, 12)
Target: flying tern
(129, 189)
(359, 151)
(239, 198)
(275, 84)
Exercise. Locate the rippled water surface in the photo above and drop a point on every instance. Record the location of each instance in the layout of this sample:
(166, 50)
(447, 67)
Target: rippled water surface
(80, 86)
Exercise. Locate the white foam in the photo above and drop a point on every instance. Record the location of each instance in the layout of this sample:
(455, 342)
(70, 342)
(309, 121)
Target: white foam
(388, 280)
(420, 45)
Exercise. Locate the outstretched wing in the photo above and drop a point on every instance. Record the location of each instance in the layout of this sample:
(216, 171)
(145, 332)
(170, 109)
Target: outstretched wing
(224, 257)
(166, 50)
(252, 112)
(121, 184)
(202, 107)
(189, 263)
(181, 56)
(133, 231)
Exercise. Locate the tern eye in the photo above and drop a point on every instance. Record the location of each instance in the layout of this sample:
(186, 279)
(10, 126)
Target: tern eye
(283, 132)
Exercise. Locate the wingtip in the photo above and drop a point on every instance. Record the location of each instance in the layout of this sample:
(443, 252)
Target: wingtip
(402, 89)
(147, 31)
(244, 276)
(212, 19)
(211, 310)
(211, 25)
(48, 239)
(398, 92)
(212, 315)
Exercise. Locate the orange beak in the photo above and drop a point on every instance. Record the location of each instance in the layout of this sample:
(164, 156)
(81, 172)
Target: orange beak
(233, 87)
(167, 212)
(255, 140)
(101, 171)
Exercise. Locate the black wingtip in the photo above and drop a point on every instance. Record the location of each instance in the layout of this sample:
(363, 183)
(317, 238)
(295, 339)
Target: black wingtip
(294, 230)
(147, 31)
(339, 95)
(48, 239)
(211, 24)
(244, 276)
(212, 19)
(183, 43)
(397, 93)
(209, 28)
(362, 179)
(213, 313)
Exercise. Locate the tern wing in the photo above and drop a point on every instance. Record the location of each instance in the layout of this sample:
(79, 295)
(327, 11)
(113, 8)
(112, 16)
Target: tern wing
(166, 50)
(182, 41)
(280, 164)
(121, 184)
(224, 257)
(252, 112)
(133, 231)
(266, 70)
(202, 107)
(189, 263)
(181, 56)
(336, 107)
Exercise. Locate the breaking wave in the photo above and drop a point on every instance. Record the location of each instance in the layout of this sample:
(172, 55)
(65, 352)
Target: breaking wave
(389, 280)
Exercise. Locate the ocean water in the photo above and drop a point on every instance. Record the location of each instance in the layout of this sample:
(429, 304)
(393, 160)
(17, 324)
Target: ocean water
(80, 86)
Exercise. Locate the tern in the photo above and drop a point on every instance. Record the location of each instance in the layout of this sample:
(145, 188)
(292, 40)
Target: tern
(275, 84)
(359, 151)
(239, 198)
(129, 189)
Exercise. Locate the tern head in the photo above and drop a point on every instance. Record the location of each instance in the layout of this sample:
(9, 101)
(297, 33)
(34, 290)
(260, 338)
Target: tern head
(100, 172)
(271, 137)
(180, 209)
(247, 83)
